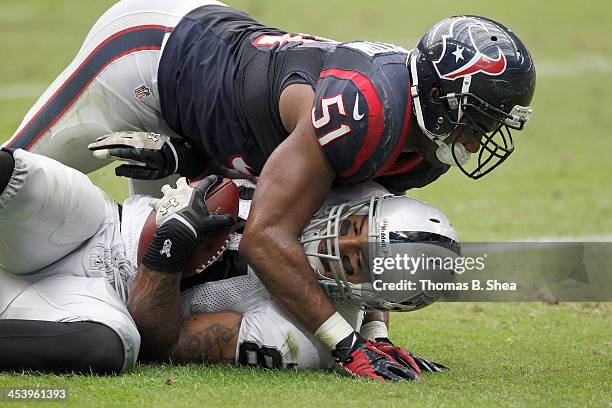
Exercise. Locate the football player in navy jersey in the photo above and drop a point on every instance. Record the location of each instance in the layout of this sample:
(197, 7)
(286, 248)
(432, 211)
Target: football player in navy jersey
(210, 86)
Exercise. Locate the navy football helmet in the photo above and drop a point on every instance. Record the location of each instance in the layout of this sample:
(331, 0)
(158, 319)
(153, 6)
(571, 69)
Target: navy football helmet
(471, 72)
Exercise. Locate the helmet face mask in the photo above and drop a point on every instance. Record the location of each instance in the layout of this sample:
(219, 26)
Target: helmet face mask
(484, 80)
(491, 127)
(396, 226)
(327, 229)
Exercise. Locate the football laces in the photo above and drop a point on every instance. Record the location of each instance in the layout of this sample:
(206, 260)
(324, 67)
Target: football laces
(220, 252)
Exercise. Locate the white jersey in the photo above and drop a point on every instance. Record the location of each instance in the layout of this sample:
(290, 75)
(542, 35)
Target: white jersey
(135, 211)
(269, 336)
(81, 267)
(265, 329)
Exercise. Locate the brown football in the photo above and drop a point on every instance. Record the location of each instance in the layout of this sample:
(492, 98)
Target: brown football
(223, 198)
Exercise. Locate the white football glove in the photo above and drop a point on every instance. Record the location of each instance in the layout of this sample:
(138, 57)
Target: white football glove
(182, 218)
(148, 155)
(188, 205)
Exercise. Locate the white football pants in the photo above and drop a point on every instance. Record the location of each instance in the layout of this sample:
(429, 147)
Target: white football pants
(110, 86)
(62, 258)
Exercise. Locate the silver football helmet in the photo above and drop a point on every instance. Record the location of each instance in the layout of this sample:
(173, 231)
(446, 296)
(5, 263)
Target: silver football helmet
(397, 227)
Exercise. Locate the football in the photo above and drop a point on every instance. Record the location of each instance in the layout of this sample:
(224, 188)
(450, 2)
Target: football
(223, 198)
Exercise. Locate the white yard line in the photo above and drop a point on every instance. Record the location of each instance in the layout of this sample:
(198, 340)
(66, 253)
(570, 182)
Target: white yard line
(22, 90)
(578, 238)
(581, 64)
(17, 13)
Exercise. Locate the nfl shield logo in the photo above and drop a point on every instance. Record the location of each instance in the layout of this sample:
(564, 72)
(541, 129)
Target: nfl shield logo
(142, 92)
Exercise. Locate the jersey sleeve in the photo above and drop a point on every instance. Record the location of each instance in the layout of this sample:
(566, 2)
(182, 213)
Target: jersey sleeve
(348, 120)
(355, 124)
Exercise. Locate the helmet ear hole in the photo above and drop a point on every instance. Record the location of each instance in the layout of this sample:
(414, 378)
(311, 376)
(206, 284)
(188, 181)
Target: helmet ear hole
(494, 38)
(435, 94)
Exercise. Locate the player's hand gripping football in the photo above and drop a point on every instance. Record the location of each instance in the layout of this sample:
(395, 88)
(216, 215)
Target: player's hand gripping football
(406, 358)
(148, 155)
(182, 218)
(361, 358)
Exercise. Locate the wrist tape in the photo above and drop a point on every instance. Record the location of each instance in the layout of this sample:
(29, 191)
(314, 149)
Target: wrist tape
(170, 248)
(333, 330)
(374, 330)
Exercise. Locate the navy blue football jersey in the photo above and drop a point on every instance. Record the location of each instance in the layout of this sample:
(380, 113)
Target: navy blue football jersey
(362, 109)
(222, 73)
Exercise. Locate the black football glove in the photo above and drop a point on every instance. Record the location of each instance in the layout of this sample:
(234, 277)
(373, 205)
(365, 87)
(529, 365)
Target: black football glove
(403, 356)
(182, 219)
(360, 358)
(406, 358)
(429, 366)
(149, 156)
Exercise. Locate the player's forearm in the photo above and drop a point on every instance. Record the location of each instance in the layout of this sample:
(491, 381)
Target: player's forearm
(154, 304)
(208, 338)
(283, 268)
(284, 201)
(376, 315)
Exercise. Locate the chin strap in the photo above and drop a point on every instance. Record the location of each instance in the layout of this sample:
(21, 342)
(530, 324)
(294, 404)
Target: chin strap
(444, 153)
(416, 102)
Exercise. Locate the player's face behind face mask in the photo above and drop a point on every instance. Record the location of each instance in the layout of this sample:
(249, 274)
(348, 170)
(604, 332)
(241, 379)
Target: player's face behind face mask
(344, 244)
(478, 144)
(353, 244)
(337, 244)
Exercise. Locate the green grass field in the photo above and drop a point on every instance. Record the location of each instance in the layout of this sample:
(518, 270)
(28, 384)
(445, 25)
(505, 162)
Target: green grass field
(557, 183)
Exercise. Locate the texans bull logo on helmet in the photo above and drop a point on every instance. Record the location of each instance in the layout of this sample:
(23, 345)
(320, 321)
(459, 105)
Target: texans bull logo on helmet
(459, 60)
(470, 72)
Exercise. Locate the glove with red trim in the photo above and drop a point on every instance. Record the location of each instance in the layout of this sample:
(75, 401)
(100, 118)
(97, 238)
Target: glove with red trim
(406, 358)
(360, 358)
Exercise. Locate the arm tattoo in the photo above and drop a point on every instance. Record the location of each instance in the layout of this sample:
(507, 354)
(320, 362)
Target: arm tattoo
(210, 340)
(154, 304)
